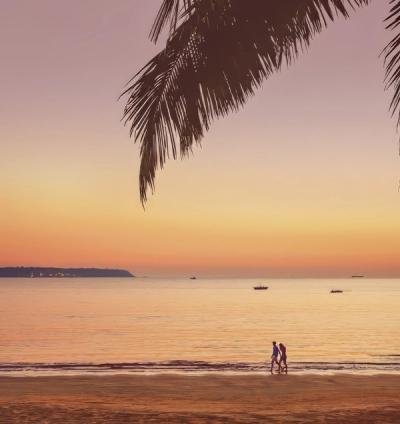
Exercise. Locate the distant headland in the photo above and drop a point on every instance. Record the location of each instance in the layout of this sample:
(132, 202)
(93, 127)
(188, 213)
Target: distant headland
(44, 272)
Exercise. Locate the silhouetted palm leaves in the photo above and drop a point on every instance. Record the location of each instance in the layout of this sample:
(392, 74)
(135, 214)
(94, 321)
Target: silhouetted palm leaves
(392, 56)
(217, 53)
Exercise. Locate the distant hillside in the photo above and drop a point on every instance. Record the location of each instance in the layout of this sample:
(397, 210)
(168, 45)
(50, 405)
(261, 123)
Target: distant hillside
(39, 272)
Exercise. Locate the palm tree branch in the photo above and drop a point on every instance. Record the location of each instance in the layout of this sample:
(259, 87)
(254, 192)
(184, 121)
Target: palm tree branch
(214, 60)
(392, 57)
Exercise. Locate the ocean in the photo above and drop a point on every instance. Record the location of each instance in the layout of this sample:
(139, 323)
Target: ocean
(148, 325)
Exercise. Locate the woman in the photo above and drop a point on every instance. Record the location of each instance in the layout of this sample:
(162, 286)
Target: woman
(283, 358)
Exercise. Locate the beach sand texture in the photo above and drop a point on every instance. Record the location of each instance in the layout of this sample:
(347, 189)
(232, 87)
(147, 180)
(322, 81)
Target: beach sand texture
(200, 399)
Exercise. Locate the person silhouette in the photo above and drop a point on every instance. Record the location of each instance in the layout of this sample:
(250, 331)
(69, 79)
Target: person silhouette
(274, 356)
(283, 358)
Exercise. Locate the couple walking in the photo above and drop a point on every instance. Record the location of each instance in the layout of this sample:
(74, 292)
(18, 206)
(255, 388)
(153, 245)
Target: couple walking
(281, 354)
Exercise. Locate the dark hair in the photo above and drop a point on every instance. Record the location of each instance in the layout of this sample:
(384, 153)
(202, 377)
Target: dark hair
(274, 342)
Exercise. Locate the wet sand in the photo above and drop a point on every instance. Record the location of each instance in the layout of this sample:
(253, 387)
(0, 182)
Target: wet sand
(200, 399)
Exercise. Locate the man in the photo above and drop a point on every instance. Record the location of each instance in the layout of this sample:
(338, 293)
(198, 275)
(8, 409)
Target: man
(274, 356)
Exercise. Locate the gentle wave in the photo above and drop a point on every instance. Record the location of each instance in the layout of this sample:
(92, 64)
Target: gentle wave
(195, 367)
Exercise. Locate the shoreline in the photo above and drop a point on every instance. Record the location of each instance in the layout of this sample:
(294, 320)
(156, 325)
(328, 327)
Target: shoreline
(204, 398)
(194, 368)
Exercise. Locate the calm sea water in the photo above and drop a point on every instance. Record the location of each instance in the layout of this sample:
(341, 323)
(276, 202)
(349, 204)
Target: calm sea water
(170, 325)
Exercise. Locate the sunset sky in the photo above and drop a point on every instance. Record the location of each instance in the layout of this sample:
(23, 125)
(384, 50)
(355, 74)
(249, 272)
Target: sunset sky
(302, 182)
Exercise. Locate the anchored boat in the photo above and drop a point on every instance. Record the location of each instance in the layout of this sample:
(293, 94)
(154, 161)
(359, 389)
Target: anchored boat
(260, 287)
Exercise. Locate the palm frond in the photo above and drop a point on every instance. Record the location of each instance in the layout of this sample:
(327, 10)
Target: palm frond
(169, 12)
(214, 60)
(392, 57)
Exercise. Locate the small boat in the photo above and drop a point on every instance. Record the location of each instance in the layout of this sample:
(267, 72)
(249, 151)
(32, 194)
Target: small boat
(336, 291)
(193, 278)
(357, 276)
(260, 287)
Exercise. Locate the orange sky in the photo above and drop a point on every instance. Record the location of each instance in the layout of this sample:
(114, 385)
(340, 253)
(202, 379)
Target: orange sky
(302, 182)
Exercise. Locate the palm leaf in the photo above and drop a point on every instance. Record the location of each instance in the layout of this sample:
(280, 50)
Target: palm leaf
(392, 57)
(214, 60)
(169, 12)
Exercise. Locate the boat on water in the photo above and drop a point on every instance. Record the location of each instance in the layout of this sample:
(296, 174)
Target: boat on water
(260, 287)
(193, 278)
(336, 291)
(357, 276)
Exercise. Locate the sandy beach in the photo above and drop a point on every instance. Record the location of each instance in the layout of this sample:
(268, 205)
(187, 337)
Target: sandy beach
(200, 399)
